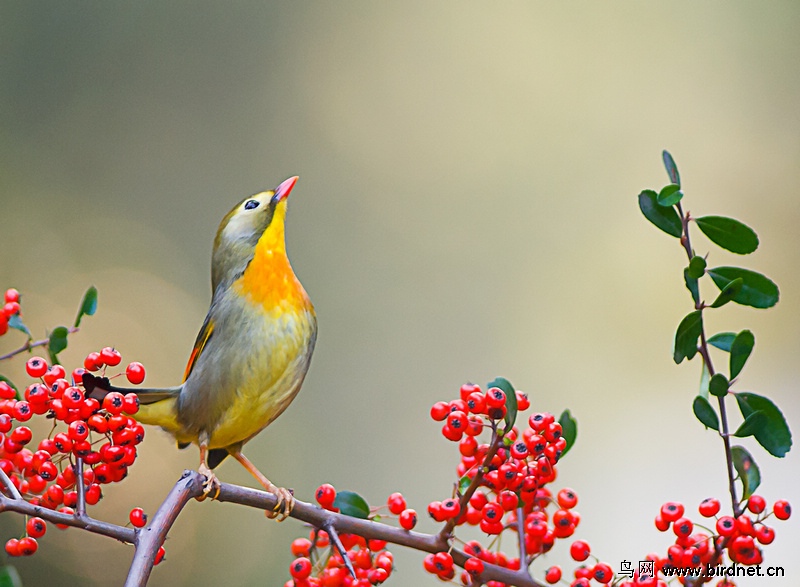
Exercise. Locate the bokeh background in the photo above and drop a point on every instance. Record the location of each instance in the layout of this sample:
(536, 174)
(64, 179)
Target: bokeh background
(466, 208)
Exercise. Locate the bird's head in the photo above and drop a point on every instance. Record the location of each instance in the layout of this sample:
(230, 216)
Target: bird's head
(257, 221)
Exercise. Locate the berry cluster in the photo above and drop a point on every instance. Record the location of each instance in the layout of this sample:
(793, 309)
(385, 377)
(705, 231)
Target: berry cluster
(502, 479)
(10, 308)
(318, 564)
(103, 434)
(739, 537)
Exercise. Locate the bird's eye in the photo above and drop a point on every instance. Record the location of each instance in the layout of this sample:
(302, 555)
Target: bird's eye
(250, 204)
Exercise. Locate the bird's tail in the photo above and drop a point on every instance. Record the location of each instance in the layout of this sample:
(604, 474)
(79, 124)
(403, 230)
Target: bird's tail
(157, 404)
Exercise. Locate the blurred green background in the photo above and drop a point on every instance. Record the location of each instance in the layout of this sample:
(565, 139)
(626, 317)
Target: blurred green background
(466, 208)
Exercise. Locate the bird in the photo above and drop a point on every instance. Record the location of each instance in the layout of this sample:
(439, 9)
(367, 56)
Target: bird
(252, 352)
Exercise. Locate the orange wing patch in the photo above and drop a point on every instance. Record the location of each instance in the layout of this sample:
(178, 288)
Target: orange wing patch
(202, 338)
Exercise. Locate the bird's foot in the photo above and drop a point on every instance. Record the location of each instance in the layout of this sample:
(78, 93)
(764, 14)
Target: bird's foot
(211, 484)
(285, 504)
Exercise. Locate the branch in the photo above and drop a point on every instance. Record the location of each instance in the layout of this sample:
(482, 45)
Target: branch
(84, 522)
(150, 538)
(190, 486)
(30, 345)
(703, 350)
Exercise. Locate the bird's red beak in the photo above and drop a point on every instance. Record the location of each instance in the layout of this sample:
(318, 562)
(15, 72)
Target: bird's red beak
(283, 190)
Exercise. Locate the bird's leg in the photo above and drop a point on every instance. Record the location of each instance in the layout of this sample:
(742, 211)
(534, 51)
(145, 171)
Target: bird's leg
(212, 483)
(285, 498)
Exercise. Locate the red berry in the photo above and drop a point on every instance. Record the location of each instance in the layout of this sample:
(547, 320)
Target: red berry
(567, 498)
(474, 566)
(671, 511)
(325, 495)
(21, 435)
(553, 574)
(450, 508)
(765, 534)
(782, 509)
(682, 527)
(27, 546)
(726, 526)
(11, 295)
(439, 411)
(78, 430)
(12, 547)
(135, 373)
(110, 356)
(6, 391)
(495, 398)
(160, 555)
(36, 527)
(130, 403)
(709, 507)
(138, 518)
(36, 366)
(579, 550)
(523, 403)
(396, 503)
(603, 573)
(113, 402)
(300, 568)
(508, 500)
(408, 519)
(756, 504)
(92, 362)
(467, 389)
(539, 422)
(301, 547)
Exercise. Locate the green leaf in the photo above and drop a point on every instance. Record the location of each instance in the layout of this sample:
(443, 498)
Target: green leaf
(747, 469)
(672, 169)
(722, 340)
(569, 430)
(757, 290)
(692, 286)
(686, 336)
(752, 424)
(775, 436)
(741, 347)
(697, 267)
(351, 504)
(666, 219)
(463, 484)
(16, 322)
(511, 400)
(57, 343)
(669, 195)
(9, 577)
(718, 385)
(11, 384)
(88, 305)
(705, 413)
(728, 293)
(728, 233)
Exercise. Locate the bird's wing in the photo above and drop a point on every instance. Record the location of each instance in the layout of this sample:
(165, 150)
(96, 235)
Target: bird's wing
(202, 338)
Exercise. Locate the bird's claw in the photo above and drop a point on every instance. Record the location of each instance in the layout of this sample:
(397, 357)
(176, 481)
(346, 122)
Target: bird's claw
(285, 505)
(211, 483)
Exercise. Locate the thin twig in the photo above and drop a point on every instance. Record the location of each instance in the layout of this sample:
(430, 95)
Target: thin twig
(31, 345)
(80, 508)
(523, 557)
(706, 356)
(85, 523)
(337, 543)
(497, 442)
(9, 485)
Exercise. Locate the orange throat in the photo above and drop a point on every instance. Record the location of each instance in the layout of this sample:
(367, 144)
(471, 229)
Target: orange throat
(269, 281)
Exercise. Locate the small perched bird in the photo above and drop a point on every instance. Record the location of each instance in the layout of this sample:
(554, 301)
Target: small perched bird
(253, 349)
